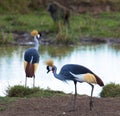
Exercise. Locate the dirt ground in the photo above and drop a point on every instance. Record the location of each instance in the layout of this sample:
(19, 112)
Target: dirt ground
(62, 106)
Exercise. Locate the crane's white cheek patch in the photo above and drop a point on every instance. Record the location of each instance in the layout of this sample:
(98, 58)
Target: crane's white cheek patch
(50, 67)
(87, 77)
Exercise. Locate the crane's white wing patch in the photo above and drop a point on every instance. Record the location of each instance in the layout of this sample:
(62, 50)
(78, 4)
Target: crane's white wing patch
(87, 77)
(79, 77)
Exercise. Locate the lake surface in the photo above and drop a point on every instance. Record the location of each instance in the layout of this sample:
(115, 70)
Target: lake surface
(102, 59)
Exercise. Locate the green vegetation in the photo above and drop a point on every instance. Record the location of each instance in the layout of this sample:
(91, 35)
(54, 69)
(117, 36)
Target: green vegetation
(5, 102)
(105, 25)
(21, 91)
(34, 15)
(6, 38)
(111, 90)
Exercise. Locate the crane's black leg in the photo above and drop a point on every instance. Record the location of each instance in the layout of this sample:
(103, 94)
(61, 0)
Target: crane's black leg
(91, 98)
(75, 95)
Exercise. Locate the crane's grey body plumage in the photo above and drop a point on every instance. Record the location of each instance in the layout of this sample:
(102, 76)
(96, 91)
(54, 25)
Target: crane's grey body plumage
(76, 73)
(66, 70)
(33, 54)
(31, 60)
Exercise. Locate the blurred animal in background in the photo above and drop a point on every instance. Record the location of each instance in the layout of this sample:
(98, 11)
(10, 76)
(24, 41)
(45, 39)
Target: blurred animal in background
(75, 73)
(59, 12)
(31, 58)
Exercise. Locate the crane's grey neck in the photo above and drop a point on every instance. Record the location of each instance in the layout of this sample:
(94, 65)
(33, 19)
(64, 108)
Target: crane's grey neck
(36, 43)
(58, 76)
(54, 71)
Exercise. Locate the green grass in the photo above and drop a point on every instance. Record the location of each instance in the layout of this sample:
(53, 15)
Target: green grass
(26, 22)
(21, 91)
(111, 90)
(104, 25)
(5, 102)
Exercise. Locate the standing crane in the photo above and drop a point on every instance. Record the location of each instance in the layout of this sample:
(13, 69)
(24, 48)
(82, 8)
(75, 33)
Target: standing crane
(76, 73)
(31, 58)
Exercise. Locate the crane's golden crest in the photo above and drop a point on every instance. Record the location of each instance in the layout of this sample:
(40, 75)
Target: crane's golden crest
(49, 63)
(34, 33)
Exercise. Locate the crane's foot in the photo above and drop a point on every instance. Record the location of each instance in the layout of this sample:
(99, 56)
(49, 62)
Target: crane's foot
(91, 104)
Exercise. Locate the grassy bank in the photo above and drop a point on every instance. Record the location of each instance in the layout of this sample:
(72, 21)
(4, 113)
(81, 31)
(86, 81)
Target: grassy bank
(103, 25)
(16, 92)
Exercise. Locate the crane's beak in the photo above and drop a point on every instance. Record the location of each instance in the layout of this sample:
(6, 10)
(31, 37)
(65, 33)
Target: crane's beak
(48, 70)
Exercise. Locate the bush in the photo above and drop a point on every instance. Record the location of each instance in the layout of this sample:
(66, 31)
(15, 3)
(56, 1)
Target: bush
(6, 37)
(111, 90)
(20, 91)
(65, 35)
(15, 5)
(20, 6)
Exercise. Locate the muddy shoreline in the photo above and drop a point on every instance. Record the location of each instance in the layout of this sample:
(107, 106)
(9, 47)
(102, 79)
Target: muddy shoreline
(24, 38)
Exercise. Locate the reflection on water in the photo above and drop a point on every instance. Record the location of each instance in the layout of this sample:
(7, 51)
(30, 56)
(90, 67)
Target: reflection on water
(102, 59)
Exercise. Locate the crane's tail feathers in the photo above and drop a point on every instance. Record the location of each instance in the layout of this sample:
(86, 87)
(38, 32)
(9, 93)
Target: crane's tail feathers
(92, 78)
(29, 70)
(99, 81)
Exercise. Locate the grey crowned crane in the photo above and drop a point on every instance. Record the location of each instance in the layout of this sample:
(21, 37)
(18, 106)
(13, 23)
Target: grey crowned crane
(31, 58)
(75, 73)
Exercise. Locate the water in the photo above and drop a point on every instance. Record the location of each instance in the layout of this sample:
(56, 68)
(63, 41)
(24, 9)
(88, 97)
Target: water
(102, 59)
